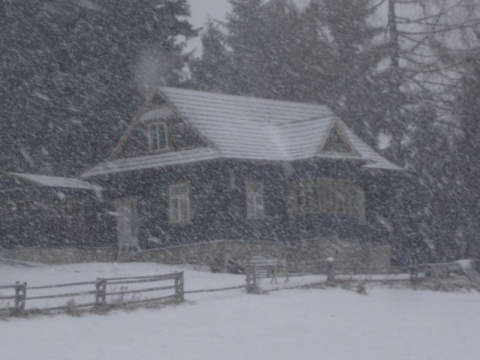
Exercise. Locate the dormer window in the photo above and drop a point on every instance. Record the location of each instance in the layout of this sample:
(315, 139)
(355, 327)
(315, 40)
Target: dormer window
(157, 136)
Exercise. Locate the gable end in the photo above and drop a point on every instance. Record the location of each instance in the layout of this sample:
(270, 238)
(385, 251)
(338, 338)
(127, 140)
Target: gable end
(337, 142)
(157, 128)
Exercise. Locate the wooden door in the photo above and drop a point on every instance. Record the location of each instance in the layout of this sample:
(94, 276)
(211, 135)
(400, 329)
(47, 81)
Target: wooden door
(126, 209)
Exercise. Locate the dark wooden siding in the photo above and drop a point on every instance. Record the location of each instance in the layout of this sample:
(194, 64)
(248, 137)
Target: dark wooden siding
(219, 203)
(46, 217)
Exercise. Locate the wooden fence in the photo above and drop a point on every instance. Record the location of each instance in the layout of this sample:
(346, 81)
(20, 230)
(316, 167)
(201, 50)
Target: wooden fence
(331, 273)
(19, 294)
(120, 291)
(100, 294)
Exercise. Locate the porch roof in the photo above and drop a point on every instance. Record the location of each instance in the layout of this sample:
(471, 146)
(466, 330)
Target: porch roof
(56, 181)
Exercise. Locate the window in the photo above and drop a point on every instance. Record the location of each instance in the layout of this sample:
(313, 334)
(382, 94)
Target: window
(157, 136)
(179, 203)
(255, 200)
(340, 197)
(301, 198)
(326, 196)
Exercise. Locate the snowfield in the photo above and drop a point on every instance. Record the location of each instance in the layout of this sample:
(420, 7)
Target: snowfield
(332, 323)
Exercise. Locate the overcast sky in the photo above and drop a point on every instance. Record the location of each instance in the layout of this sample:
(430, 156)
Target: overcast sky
(216, 9)
(203, 9)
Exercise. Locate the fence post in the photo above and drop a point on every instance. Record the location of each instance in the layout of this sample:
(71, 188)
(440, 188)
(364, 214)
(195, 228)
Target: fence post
(20, 296)
(330, 271)
(414, 271)
(101, 292)
(179, 286)
(251, 279)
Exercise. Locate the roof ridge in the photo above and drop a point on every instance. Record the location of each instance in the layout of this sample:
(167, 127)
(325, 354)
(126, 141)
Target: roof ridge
(297, 121)
(246, 97)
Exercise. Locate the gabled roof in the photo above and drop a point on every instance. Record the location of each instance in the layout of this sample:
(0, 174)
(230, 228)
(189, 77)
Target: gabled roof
(239, 127)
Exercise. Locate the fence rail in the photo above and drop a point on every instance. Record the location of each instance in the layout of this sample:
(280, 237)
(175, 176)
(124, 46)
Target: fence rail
(103, 295)
(7, 287)
(216, 289)
(261, 268)
(61, 285)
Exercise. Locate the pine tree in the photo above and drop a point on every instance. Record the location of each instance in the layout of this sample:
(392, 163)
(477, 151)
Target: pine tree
(244, 25)
(325, 53)
(417, 90)
(467, 151)
(257, 51)
(75, 72)
(214, 70)
(353, 53)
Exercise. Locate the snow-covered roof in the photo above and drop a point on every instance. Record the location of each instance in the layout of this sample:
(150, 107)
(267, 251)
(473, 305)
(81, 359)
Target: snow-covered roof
(239, 127)
(154, 161)
(55, 181)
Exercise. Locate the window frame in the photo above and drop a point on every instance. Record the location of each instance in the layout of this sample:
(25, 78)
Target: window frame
(301, 195)
(184, 199)
(327, 196)
(340, 198)
(155, 140)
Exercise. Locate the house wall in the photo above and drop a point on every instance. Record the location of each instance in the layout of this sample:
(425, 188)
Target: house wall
(218, 203)
(46, 217)
(218, 208)
(216, 254)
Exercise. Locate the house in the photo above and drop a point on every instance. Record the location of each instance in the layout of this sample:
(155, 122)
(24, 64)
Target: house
(195, 166)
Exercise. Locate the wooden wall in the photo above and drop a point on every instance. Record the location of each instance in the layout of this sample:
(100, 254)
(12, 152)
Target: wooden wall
(34, 216)
(218, 203)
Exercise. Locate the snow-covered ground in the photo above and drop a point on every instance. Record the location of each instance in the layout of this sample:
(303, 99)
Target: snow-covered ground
(329, 323)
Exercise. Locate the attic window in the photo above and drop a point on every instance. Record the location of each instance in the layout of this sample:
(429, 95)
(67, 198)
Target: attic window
(157, 136)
